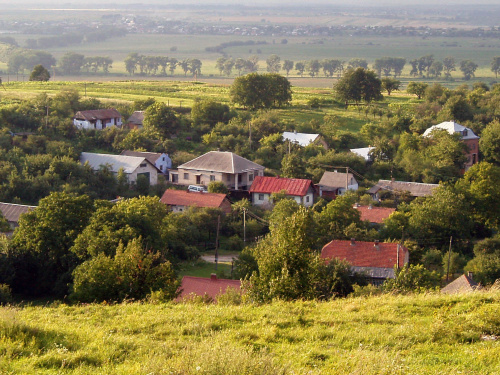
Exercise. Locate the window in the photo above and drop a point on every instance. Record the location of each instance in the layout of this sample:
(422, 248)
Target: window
(143, 165)
(228, 177)
(250, 177)
(212, 177)
(261, 197)
(161, 167)
(186, 176)
(465, 132)
(307, 198)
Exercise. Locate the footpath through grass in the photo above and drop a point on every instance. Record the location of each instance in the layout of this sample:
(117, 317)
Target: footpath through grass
(425, 334)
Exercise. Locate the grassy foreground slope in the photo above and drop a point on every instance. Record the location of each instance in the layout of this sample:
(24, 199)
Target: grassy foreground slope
(425, 334)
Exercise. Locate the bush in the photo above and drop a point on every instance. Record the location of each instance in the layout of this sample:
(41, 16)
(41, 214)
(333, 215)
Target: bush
(5, 294)
(412, 278)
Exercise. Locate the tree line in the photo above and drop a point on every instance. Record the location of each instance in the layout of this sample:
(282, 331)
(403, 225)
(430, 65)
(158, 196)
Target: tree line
(158, 65)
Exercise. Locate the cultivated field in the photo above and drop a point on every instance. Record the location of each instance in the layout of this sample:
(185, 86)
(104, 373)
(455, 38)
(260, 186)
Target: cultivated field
(424, 334)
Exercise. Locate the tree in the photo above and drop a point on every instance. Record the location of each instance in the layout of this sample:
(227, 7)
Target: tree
(217, 187)
(357, 63)
(436, 69)
(486, 262)
(336, 217)
(273, 64)
(195, 67)
(417, 88)
(359, 84)
(412, 278)
(39, 73)
(71, 63)
(468, 69)
(313, 67)
(495, 65)
(490, 142)
(219, 64)
(448, 66)
(261, 90)
(239, 65)
(287, 66)
(390, 84)
(210, 112)
(160, 120)
(300, 67)
(292, 166)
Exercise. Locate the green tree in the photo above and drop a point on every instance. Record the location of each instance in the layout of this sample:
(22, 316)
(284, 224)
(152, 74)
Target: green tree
(448, 66)
(273, 64)
(468, 69)
(71, 63)
(412, 278)
(160, 120)
(417, 88)
(219, 64)
(358, 84)
(486, 262)
(217, 187)
(390, 84)
(287, 66)
(300, 67)
(210, 112)
(39, 73)
(292, 166)
(257, 91)
(490, 142)
(357, 63)
(336, 217)
(313, 67)
(495, 65)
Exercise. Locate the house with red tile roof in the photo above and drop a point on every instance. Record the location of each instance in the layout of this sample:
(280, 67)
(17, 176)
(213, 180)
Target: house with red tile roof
(204, 286)
(181, 200)
(301, 190)
(373, 214)
(375, 259)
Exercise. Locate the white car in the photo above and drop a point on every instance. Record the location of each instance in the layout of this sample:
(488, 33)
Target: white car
(198, 189)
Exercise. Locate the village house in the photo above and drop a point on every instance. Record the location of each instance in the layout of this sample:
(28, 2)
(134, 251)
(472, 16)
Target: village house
(412, 189)
(181, 200)
(134, 122)
(364, 152)
(132, 166)
(466, 134)
(301, 190)
(304, 139)
(192, 286)
(234, 171)
(97, 119)
(373, 214)
(336, 183)
(462, 284)
(374, 259)
(161, 160)
(12, 212)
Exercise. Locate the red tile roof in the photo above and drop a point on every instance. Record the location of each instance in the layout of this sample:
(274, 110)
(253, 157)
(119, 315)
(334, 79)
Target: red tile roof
(190, 198)
(374, 214)
(293, 186)
(365, 254)
(211, 287)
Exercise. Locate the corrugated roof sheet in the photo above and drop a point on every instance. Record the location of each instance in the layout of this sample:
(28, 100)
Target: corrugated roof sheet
(220, 161)
(452, 127)
(97, 114)
(302, 139)
(201, 286)
(151, 156)
(293, 186)
(191, 198)
(364, 152)
(128, 163)
(335, 179)
(415, 189)
(365, 254)
(12, 212)
(374, 214)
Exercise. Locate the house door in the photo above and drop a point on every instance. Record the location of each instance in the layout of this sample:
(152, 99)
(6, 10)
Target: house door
(198, 179)
(175, 178)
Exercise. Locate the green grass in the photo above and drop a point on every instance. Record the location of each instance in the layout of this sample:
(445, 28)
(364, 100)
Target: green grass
(425, 334)
(201, 268)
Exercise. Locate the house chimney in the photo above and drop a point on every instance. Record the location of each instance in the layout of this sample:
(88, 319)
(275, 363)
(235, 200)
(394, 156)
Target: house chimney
(213, 277)
(353, 241)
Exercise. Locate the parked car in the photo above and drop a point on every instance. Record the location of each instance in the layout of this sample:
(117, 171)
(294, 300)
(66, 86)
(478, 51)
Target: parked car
(197, 188)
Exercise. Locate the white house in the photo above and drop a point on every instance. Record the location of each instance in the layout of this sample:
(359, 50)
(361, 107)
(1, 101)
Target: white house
(364, 152)
(304, 139)
(161, 160)
(132, 166)
(336, 183)
(97, 119)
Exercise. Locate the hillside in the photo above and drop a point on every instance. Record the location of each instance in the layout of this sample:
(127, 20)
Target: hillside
(425, 334)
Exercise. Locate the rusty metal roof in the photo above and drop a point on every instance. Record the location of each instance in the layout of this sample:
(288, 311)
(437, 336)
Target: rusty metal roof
(293, 186)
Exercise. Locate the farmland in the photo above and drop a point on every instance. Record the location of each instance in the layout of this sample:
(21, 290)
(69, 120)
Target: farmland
(421, 334)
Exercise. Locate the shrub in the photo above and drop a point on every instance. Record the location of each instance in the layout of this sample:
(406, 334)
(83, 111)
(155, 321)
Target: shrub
(5, 294)
(412, 278)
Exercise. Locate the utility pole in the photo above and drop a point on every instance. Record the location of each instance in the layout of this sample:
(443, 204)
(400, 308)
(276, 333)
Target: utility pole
(346, 179)
(449, 260)
(217, 243)
(47, 118)
(244, 225)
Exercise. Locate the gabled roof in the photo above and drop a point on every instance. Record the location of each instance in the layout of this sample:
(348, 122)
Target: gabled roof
(415, 189)
(128, 163)
(211, 287)
(219, 161)
(12, 212)
(452, 127)
(366, 254)
(151, 156)
(374, 214)
(293, 186)
(364, 152)
(97, 114)
(302, 139)
(191, 198)
(463, 284)
(335, 179)
(136, 118)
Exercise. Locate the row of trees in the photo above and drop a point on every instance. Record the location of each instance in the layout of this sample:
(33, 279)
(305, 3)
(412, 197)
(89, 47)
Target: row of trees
(154, 65)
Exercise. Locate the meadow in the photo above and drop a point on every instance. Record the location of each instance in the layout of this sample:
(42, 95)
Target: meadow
(387, 334)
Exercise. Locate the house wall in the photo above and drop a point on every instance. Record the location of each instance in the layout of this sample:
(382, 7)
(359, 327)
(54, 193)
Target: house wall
(264, 199)
(473, 152)
(144, 168)
(99, 125)
(164, 163)
(228, 179)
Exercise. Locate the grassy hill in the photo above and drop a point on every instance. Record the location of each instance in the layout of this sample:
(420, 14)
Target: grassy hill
(424, 334)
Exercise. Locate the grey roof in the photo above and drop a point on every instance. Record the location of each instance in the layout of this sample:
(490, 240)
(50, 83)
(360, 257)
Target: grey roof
(151, 156)
(12, 212)
(335, 179)
(415, 189)
(452, 127)
(136, 118)
(302, 139)
(463, 284)
(97, 114)
(128, 163)
(375, 272)
(219, 161)
(364, 152)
